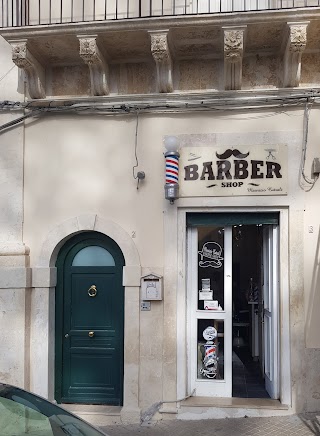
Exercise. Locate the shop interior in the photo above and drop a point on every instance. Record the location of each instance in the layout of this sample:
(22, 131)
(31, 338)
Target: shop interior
(247, 311)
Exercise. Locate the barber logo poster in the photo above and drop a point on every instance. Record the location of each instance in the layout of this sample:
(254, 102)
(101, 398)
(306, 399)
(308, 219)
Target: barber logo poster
(233, 171)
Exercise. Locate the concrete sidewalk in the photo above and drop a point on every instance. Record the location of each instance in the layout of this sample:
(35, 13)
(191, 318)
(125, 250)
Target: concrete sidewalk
(304, 424)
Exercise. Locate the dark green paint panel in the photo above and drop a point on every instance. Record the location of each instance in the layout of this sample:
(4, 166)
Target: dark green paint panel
(89, 369)
(200, 219)
(93, 312)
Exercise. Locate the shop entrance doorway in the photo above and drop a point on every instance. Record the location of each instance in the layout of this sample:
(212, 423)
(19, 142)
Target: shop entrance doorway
(233, 305)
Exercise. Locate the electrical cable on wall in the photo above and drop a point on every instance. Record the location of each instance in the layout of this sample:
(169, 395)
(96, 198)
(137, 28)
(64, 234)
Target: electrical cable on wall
(36, 109)
(302, 175)
(19, 120)
(135, 146)
(140, 174)
(9, 71)
(219, 104)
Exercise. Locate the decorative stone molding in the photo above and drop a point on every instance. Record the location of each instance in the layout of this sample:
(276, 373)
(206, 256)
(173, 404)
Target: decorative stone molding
(59, 234)
(99, 71)
(14, 254)
(44, 277)
(15, 278)
(161, 54)
(13, 249)
(35, 74)
(233, 54)
(131, 276)
(295, 44)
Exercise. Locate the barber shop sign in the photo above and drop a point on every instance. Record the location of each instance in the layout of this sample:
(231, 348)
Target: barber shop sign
(232, 171)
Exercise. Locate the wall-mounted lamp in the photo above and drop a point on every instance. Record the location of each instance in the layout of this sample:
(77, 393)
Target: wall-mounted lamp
(171, 188)
(315, 171)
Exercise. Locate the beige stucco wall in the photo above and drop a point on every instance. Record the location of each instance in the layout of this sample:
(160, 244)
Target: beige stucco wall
(14, 299)
(77, 165)
(83, 164)
(312, 273)
(60, 167)
(9, 74)
(11, 155)
(312, 244)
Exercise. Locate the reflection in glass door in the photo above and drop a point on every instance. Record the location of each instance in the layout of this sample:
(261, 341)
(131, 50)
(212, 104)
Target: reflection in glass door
(210, 310)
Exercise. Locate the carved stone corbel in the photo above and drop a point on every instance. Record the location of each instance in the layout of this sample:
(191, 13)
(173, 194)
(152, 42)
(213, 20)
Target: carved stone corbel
(233, 54)
(99, 71)
(295, 44)
(34, 72)
(161, 54)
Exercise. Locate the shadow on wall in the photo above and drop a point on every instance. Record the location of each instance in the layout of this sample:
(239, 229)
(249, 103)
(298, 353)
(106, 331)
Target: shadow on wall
(312, 315)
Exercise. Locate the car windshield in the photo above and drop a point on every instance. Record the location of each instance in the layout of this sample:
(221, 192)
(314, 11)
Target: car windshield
(23, 413)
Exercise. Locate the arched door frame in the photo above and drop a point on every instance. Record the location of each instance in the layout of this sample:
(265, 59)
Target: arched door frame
(109, 323)
(51, 246)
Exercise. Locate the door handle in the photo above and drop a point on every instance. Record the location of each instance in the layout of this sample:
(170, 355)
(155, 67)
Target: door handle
(91, 334)
(66, 335)
(92, 291)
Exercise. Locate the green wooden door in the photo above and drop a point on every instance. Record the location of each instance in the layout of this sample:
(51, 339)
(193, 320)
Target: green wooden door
(89, 321)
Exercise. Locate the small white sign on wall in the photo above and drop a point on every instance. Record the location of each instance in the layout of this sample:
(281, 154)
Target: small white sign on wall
(233, 171)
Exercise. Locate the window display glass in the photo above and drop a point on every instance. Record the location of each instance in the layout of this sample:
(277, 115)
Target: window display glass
(210, 349)
(211, 268)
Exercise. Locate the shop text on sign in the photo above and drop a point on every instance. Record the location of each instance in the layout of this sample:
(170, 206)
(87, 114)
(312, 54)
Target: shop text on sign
(224, 171)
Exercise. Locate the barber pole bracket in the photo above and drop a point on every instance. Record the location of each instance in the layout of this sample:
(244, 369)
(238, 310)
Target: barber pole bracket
(171, 187)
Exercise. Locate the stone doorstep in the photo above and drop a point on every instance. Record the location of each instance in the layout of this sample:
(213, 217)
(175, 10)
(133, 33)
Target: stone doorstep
(195, 408)
(243, 403)
(95, 414)
(100, 415)
(198, 408)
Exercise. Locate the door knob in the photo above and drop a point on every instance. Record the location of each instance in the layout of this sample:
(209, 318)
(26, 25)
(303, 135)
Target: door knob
(66, 335)
(91, 334)
(92, 291)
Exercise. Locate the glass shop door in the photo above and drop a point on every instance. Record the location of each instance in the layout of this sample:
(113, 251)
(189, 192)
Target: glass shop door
(270, 309)
(210, 310)
(232, 321)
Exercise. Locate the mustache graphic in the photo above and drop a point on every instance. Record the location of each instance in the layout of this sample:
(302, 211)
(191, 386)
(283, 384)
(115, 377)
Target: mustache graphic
(228, 153)
(212, 263)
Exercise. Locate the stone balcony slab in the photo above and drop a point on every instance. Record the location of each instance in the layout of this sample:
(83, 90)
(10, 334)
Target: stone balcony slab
(197, 53)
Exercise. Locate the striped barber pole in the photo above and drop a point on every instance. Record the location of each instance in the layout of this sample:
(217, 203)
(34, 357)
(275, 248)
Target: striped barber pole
(210, 354)
(210, 361)
(171, 187)
(172, 169)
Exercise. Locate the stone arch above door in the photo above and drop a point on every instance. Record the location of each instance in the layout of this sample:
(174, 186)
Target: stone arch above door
(59, 234)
